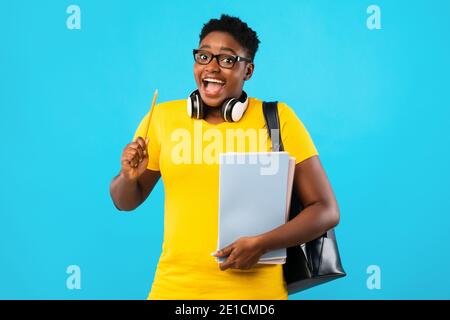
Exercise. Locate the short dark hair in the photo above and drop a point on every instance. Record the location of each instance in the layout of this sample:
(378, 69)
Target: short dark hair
(240, 31)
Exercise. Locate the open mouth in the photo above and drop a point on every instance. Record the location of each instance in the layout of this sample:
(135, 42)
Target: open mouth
(212, 87)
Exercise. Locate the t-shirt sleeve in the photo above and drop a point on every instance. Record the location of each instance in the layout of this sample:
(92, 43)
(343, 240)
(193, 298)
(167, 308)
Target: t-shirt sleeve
(154, 136)
(295, 136)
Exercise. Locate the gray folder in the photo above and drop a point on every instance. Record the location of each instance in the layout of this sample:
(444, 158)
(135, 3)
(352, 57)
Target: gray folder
(254, 194)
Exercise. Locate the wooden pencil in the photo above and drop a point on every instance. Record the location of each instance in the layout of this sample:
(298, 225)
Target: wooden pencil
(147, 124)
(155, 96)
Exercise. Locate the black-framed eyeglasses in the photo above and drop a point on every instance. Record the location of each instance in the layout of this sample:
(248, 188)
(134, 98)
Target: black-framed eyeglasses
(224, 60)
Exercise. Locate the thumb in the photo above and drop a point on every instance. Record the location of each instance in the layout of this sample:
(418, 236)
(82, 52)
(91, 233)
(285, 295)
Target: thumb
(146, 140)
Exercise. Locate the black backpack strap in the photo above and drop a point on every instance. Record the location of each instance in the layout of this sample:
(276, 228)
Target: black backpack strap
(270, 110)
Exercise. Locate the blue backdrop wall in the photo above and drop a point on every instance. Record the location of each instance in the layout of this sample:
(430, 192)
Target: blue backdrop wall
(375, 101)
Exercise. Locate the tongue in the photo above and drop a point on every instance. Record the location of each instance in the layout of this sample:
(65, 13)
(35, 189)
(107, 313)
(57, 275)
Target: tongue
(213, 88)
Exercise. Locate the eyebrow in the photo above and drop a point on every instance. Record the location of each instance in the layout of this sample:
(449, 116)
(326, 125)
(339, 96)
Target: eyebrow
(221, 48)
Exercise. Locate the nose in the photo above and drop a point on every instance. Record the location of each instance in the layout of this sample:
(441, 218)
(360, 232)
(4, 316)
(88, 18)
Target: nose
(213, 66)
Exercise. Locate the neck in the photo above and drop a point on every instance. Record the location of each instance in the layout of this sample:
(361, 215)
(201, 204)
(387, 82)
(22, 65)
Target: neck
(213, 111)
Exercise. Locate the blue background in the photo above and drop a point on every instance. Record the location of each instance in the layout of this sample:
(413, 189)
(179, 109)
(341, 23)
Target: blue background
(374, 101)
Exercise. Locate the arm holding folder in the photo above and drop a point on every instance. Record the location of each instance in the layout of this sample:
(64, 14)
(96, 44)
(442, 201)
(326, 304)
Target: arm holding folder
(320, 214)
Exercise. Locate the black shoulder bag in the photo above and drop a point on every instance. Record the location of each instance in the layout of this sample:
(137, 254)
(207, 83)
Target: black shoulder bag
(315, 262)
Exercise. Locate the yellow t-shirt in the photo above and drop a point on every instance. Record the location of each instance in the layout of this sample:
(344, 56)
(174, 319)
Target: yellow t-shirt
(185, 151)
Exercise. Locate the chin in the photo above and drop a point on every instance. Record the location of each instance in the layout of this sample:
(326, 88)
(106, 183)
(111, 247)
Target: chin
(211, 102)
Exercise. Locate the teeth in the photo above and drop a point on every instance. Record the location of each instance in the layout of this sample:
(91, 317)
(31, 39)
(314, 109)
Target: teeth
(214, 80)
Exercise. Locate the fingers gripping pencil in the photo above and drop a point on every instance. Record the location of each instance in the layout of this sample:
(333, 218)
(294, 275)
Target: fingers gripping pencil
(135, 158)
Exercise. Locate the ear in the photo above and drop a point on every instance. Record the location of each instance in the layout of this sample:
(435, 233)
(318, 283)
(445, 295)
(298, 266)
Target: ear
(249, 71)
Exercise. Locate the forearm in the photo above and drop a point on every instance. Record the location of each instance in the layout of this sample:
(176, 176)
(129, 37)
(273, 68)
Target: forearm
(126, 194)
(310, 224)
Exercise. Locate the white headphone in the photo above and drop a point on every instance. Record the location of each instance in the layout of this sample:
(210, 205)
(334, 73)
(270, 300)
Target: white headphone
(232, 109)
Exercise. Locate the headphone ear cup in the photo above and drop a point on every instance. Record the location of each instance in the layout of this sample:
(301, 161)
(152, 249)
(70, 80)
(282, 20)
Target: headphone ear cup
(233, 109)
(189, 104)
(227, 108)
(195, 107)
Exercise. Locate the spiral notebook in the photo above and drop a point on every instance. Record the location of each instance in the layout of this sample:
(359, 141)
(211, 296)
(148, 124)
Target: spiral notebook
(254, 197)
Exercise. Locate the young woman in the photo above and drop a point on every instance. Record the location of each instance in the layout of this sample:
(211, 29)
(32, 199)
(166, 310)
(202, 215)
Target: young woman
(184, 139)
